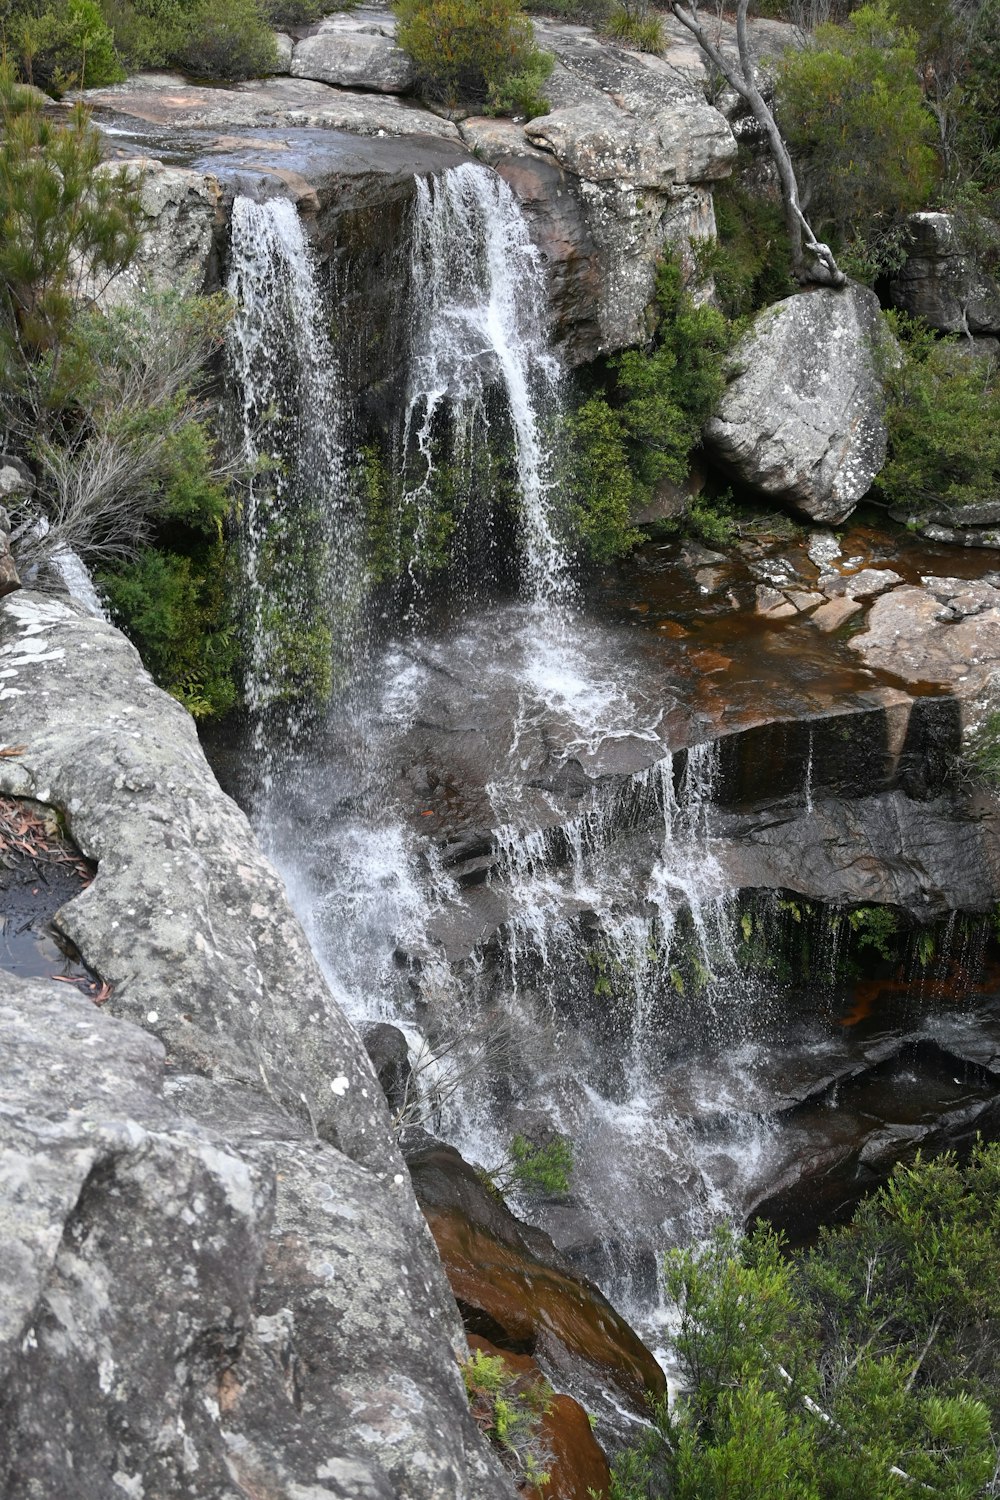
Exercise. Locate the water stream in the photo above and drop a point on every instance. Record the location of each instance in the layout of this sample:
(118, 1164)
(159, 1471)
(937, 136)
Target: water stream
(302, 571)
(480, 320)
(492, 834)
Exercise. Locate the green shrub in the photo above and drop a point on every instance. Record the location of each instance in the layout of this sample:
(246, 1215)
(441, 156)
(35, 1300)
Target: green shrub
(509, 1411)
(64, 220)
(943, 420)
(875, 927)
(643, 427)
(176, 611)
(602, 484)
(534, 1169)
(586, 12)
(522, 94)
(979, 107)
(468, 51)
(981, 756)
(69, 46)
(226, 39)
(70, 42)
(633, 24)
(855, 120)
(866, 1366)
(667, 393)
(750, 259)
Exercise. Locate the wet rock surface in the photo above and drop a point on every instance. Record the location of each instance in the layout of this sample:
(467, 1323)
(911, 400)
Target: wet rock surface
(575, 1461)
(802, 420)
(515, 1288)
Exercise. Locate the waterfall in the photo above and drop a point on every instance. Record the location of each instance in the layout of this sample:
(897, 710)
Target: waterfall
(301, 574)
(481, 319)
(570, 979)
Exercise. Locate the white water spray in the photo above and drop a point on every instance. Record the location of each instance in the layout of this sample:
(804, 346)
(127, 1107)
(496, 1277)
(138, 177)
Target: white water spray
(298, 544)
(481, 319)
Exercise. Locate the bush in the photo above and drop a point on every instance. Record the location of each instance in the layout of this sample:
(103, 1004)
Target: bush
(586, 12)
(534, 1169)
(72, 43)
(624, 440)
(632, 23)
(64, 220)
(508, 1410)
(226, 39)
(853, 114)
(71, 46)
(979, 107)
(469, 51)
(750, 259)
(943, 420)
(866, 1366)
(176, 610)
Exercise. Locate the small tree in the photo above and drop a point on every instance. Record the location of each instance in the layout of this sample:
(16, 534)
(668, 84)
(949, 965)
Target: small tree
(812, 261)
(66, 222)
(853, 113)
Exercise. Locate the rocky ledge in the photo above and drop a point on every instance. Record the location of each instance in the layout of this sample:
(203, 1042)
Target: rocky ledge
(217, 1279)
(620, 165)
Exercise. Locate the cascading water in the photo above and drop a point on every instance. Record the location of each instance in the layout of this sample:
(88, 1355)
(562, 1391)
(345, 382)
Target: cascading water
(300, 555)
(480, 320)
(584, 973)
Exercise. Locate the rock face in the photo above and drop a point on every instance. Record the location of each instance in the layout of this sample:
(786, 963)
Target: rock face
(635, 145)
(183, 217)
(941, 282)
(305, 1338)
(342, 53)
(620, 166)
(802, 421)
(196, 1308)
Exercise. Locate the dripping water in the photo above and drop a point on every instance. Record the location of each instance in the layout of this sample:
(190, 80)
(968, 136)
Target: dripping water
(302, 574)
(481, 321)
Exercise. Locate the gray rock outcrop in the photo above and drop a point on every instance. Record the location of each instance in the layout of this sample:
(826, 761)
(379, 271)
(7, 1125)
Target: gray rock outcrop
(183, 215)
(947, 631)
(619, 167)
(203, 1307)
(802, 421)
(356, 53)
(201, 1342)
(941, 280)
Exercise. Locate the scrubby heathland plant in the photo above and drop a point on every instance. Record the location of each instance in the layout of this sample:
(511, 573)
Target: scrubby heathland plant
(867, 1366)
(643, 427)
(474, 52)
(104, 404)
(854, 117)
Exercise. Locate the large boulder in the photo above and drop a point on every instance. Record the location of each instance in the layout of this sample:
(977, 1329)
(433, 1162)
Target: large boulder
(941, 280)
(199, 1299)
(356, 54)
(802, 421)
